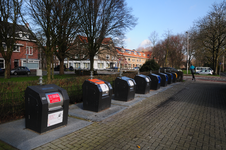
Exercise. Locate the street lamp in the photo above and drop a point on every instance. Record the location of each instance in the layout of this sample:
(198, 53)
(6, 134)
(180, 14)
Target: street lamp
(26, 55)
(187, 49)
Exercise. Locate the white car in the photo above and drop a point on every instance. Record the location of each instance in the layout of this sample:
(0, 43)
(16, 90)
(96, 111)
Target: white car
(205, 72)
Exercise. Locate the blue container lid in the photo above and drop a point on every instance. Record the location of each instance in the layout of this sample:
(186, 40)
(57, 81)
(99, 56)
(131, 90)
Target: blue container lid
(166, 77)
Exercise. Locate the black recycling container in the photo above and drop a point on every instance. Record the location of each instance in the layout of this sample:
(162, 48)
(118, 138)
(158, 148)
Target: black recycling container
(124, 88)
(164, 79)
(170, 77)
(97, 95)
(142, 84)
(174, 77)
(46, 107)
(155, 81)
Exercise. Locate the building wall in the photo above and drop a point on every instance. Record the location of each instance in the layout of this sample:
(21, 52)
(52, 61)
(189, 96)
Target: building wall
(18, 57)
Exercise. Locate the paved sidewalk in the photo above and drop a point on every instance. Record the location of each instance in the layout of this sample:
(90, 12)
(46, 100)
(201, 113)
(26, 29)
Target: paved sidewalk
(192, 115)
(206, 78)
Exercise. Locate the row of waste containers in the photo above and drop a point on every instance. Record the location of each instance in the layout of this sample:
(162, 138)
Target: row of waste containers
(46, 106)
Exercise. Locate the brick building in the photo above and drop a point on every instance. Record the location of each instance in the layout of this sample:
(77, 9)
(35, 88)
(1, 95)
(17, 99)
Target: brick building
(25, 49)
(128, 59)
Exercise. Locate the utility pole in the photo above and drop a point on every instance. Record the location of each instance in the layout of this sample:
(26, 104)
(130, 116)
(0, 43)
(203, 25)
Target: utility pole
(187, 50)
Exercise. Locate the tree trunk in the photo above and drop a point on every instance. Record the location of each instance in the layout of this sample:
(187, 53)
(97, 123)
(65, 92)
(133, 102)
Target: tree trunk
(216, 66)
(52, 68)
(48, 62)
(7, 69)
(91, 63)
(61, 66)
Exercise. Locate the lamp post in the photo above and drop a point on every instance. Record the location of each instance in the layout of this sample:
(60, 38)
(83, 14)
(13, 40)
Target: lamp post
(187, 49)
(26, 55)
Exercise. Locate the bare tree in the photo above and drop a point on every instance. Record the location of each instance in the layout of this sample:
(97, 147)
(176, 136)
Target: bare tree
(101, 19)
(66, 28)
(167, 35)
(42, 13)
(9, 16)
(159, 53)
(212, 33)
(153, 38)
(170, 51)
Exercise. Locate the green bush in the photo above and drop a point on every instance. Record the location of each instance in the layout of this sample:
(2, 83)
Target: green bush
(149, 65)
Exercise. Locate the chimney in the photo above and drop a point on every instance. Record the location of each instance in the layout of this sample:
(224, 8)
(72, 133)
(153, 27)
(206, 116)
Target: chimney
(27, 25)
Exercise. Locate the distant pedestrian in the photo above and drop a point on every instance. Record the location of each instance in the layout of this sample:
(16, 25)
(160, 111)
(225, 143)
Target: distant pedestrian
(192, 72)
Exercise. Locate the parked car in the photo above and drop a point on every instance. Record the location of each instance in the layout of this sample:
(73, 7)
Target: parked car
(205, 72)
(198, 69)
(57, 68)
(168, 69)
(1, 71)
(112, 69)
(136, 68)
(20, 70)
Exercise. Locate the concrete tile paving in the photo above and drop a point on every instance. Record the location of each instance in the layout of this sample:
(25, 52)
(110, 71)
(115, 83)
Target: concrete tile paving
(192, 115)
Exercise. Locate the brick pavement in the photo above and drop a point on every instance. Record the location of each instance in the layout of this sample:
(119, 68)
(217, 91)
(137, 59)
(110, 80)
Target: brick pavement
(191, 115)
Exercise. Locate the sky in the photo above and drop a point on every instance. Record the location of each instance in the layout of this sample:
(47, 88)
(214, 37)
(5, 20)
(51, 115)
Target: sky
(176, 16)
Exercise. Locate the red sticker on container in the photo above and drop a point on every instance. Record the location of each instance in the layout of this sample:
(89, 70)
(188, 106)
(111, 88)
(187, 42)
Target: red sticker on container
(54, 98)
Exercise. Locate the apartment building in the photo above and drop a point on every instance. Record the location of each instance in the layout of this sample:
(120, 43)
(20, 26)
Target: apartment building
(128, 59)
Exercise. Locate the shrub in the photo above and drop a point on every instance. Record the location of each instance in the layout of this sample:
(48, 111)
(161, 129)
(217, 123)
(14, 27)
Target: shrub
(149, 65)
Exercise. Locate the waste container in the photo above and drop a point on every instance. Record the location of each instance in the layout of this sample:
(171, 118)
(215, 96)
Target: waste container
(164, 79)
(155, 81)
(96, 95)
(170, 77)
(143, 84)
(174, 77)
(124, 88)
(46, 107)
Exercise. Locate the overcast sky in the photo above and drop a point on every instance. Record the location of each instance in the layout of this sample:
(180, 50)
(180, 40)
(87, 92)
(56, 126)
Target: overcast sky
(161, 16)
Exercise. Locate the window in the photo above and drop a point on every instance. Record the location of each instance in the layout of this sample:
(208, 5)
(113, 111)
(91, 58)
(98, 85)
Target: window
(2, 63)
(135, 53)
(107, 57)
(29, 50)
(16, 48)
(86, 65)
(143, 54)
(76, 56)
(5, 47)
(133, 59)
(128, 59)
(96, 57)
(77, 65)
(112, 57)
(26, 36)
(129, 65)
(100, 65)
(129, 52)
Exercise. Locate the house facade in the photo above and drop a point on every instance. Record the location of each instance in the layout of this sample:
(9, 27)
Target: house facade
(128, 59)
(105, 58)
(25, 50)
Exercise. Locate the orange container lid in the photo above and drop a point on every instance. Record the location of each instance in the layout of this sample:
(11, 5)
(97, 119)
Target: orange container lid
(97, 81)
